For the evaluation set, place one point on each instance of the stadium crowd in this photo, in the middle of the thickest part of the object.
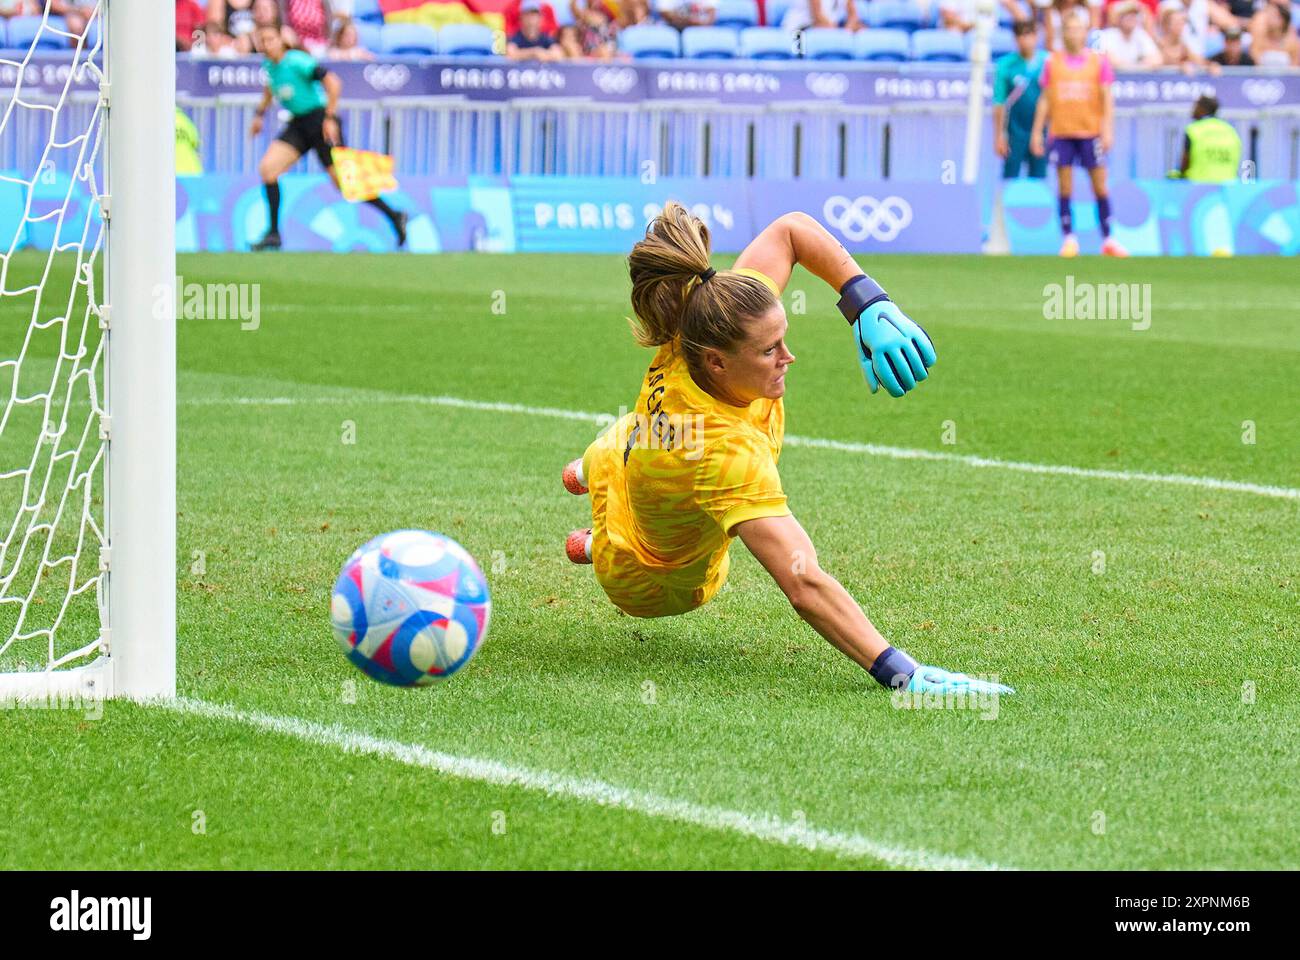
(1187, 35)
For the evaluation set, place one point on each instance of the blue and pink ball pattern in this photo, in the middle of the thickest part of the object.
(410, 608)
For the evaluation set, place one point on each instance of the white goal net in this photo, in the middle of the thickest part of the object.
(86, 355)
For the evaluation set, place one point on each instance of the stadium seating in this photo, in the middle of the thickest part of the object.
(765, 43)
(1001, 41)
(367, 11)
(737, 14)
(412, 38)
(370, 35)
(465, 40)
(650, 40)
(776, 11)
(23, 30)
(938, 46)
(827, 43)
(897, 15)
(882, 45)
(709, 43)
(563, 13)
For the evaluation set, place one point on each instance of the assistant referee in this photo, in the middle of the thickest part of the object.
(311, 94)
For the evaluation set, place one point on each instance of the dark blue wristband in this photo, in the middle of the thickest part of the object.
(857, 294)
(893, 668)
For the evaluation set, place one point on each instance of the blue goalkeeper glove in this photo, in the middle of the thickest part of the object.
(934, 680)
(894, 669)
(892, 348)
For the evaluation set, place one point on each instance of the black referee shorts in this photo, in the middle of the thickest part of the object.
(306, 133)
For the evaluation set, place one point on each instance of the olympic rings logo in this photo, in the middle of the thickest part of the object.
(827, 85)
(1263, 92)
(614, 80)
(386, 76)
(865, 217)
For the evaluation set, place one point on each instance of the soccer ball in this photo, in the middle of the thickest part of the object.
(410, 608)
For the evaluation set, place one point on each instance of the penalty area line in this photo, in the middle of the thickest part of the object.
(765, 827)
(869, 449)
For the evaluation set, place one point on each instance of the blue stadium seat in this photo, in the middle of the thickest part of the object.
(23, 30)
(4, 34)
(367, 11)
(1001, 42)
(1214, 44)
(650, 40)
(416, 38)
(563, 13)
(370, 36)
(939, 46)
(882, 45)
(776, 11)
(896, 15)
(465, 40)
(827, 43)
(736, 14)
(765, 43)
(709, 43)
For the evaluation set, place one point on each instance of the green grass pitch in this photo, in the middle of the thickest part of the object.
(1149, 627)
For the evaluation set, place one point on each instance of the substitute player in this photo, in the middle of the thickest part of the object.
(1078, 107)
(311, 93)
(694, 465)
(1015, 101)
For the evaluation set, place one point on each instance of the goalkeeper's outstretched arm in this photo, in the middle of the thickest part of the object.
(786, 552)
(892, 349)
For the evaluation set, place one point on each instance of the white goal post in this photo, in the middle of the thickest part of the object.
(104, 394)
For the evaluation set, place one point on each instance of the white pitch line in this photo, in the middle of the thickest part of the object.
(871, 449)
(764, 827)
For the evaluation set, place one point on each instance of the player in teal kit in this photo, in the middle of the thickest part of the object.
(311, 94)
(1015, 97)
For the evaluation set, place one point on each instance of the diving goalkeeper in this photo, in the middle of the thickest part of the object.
(694, 465)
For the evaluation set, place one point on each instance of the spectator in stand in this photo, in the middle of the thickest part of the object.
(593, 33)
(1052, 18)
(1272, 41)
(1233, 53)
(633, 12)
(346, 44)
(550, 26)
(310, 20)
(530, 43)
(76, 14)
(1172, 38)
(1240, 11)
(266, 14)
(1128, 45)
(688, 13)
(822, 13)
(189, 23)
(229, 23)
(18, 8)
(959, 15)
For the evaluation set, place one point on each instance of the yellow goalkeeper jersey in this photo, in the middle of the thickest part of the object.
(670, 481)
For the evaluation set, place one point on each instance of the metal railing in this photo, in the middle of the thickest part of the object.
(455, 137)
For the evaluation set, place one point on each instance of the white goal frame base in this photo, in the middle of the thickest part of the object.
(90, 682)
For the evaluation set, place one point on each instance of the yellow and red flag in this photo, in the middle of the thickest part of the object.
(439, 13)
(363, 175)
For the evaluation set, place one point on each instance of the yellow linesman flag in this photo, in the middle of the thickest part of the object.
(363, 174)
